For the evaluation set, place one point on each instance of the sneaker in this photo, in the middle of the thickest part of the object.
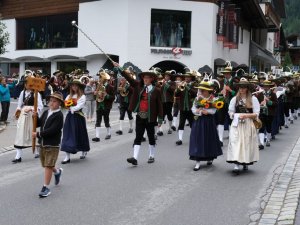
(57, 176)
(130, 130)
(133, 161)
(151, 159)
(45, 192)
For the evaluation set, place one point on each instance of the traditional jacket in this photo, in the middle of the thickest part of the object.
(155, 108)
(51, 126)
(186, 97)
(167, 91)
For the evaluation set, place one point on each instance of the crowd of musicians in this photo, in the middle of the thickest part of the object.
(253, 107)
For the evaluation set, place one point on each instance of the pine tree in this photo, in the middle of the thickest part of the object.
(4, 38)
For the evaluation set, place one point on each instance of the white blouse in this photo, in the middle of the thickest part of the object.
(194, 108)
(80, 103)
(40, 105)
(255, 106)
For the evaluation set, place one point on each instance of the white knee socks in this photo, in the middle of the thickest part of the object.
(261, 138)
(170, 125)
(67, 157)
(174, 121)
(136, 150)
(130, 124)
(151, 150)
(180, 134)
(108, 131)
(97, 132)
(19, 153)
(121, 125)
(221, 132)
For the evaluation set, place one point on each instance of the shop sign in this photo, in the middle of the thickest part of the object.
(175, 52)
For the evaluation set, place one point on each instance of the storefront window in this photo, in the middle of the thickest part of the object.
(47, 32)
(170, 28)
(9, 69)
(68, 67)
(45, 67)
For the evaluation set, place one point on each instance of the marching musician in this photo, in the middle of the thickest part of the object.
(146, 102)
(268, 104)
(25, 121)
(125, 93)
(288, 101)
(105, 97)
(167, 91)
(178, 79)
(186, 93)
(228, 91)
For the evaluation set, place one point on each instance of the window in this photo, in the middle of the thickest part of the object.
(45, 67)
(170, 28)
(68, 67)
(47, 32)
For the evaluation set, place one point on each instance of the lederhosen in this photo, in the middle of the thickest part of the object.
(167, 99)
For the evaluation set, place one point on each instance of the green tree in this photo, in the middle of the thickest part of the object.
(4, 38)
(287, 62)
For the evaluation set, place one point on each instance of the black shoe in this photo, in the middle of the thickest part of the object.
(292, 121)
(83, 155)
(133, 161)
(245, 167)
(119, 132)
(273, 137)
(17, 160)
(57, 176)
(45, 192)
(196, 168)
(144, 139)
(268, 144)
(221, 143)
(96, 139)
(286, 126)
(179, 142)
(151, 160)
(169, 131)
(261, 147)
(209, 163)
(66, 162)
(107, 137)
(160, 133)
(36, 156)
(130, 130)
(173, 128)
(236, 171)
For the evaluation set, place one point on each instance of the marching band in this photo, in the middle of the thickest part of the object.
(155, 97)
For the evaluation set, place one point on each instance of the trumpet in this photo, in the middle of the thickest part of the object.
(181, 86)
(161, 82)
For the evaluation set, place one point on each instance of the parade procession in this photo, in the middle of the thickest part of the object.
(152, 117)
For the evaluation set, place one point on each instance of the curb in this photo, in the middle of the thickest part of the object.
(282, 205)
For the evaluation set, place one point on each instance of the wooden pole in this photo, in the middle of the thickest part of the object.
(34, 119)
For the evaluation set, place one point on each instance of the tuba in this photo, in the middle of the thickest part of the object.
(100, 92)
(123, 90)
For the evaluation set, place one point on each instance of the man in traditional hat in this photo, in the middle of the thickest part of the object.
(186, 93)
(146, 102)
(105, 97)
(267, 112)
(228, 91)
(167, 90)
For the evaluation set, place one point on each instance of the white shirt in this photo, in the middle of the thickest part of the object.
(148, 88)
(50, 112)
(80, 103)
(232, 104)
(40, 105)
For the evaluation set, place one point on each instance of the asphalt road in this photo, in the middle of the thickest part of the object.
(104, 189)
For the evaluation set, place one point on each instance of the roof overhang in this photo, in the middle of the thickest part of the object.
(257, 52)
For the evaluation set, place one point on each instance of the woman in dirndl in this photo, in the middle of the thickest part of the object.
(243, 141)
(25, 121)
(204, 139)
(75, 136)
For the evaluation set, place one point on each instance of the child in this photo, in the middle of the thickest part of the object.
(51, 123)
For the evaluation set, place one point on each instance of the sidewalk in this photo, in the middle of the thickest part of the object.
(2, 127)
(279, 206)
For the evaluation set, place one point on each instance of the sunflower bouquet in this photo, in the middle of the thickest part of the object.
(217, 103)
(70, 102)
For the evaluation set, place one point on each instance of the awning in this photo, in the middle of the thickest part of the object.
(257, 52)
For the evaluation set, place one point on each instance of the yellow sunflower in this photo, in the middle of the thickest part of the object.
(203, 101)
(219, 104)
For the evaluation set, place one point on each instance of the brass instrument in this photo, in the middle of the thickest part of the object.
(123, 90)
(100, 91)
(161, 82)
(181, 86)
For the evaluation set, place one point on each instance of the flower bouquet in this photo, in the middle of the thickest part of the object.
(217, 103)
(70, 102)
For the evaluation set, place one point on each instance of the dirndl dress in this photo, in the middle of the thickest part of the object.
(75, 136)
(204, 139)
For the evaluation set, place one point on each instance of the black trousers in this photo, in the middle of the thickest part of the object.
(123, 109)
(140, 126)
(286, 107)
(175, 109)
(105, 114)
(185, 115)
(167, 109)
(5, 111)
(267, 121)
